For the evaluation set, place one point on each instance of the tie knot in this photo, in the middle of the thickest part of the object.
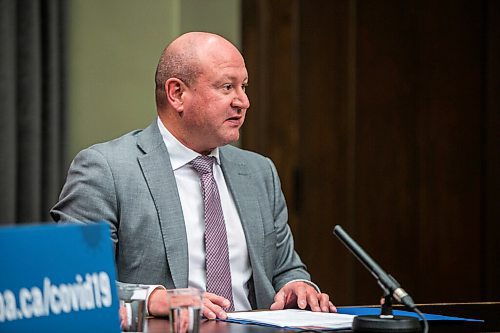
(203, 164)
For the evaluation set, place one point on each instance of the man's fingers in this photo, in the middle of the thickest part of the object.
(213, 311)
(216, 299)
(276, 306)
(279, 301)
(213, 306)
(312, 300)
(324, 302)
(208, 313)
(301, 294)
(332, 307)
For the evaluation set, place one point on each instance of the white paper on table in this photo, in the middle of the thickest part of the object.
(294, 318)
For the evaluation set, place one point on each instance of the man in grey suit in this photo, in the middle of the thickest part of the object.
(144, 186)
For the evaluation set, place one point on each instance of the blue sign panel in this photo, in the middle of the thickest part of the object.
(57, 278)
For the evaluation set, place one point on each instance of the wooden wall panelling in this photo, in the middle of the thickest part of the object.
(386, 167)
(382, 116)
(324, 111)
(491, 159)
(449, 131)
(270, 48)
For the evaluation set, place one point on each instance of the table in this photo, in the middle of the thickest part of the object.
(489, 312)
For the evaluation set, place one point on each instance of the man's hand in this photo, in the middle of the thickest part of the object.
(157, 303)
(213, 305)
(301, 294)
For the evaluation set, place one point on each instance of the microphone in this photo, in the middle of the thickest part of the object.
(385, 322)
(386, 281)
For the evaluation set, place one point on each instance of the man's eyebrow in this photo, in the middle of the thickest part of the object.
(233, 78)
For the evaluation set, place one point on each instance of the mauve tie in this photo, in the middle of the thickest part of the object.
(216, 248)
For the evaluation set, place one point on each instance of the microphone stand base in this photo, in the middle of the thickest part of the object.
(372, 323)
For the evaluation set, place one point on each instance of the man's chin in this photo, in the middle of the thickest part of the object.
(232, 138)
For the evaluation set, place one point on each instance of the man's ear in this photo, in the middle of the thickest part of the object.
(175, 91)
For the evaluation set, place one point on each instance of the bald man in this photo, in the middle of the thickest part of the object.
(147, 187)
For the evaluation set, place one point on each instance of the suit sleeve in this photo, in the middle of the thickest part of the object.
(89, 194)
(288, 265)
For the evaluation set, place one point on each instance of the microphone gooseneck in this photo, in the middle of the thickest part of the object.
(391, 288)
(387, 281)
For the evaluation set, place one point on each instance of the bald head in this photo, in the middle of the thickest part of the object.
(181, 59)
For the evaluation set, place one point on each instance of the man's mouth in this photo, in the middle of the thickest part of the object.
(235, 119)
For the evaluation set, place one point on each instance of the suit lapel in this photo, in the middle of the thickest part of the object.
(242, 187)
(157, 170)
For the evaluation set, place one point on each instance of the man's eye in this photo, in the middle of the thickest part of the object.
(244, 87)
(227, 87)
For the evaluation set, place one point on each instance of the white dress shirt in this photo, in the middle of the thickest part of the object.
(190, 193)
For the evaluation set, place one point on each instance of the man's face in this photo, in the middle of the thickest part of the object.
(216, 104)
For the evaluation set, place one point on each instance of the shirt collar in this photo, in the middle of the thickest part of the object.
(180, 155)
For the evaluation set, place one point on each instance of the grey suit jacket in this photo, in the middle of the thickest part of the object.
(129, 183)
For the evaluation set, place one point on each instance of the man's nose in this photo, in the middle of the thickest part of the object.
(241, 100)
